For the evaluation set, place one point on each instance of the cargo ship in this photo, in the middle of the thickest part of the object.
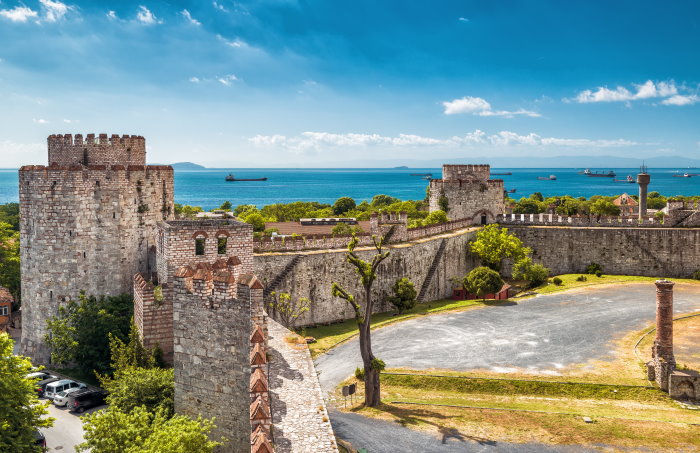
(230, 177)
(599, 174)
(547, 178)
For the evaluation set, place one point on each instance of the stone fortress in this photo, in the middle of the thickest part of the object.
(98, 219)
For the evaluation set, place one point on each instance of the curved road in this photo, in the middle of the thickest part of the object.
(543, 334)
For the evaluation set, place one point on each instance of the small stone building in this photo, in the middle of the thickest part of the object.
(467, 192)
(628, 205)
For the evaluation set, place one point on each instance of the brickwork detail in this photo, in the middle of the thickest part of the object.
(154, 319)
(469, 192)
(85, 228)
(101, 150)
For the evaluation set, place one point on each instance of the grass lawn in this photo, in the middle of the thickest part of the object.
(569, 282)
(516, 410)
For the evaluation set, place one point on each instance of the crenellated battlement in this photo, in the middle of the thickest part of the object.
(66, 149)
(457, 172)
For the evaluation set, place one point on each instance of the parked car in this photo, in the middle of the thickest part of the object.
(40, 440)
(41, 386)
(84, 399)
(64, 384)
(40, 375)
(61, 398)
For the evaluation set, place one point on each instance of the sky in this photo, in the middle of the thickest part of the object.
(284, 83)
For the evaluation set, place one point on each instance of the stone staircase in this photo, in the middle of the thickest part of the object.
(272, 286)
(431, 271)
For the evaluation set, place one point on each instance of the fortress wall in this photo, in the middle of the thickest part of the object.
(313, 275)
(69, 150)
(655, 252)
(84, 228)
(468, 198)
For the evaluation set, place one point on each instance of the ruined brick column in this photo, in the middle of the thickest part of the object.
(662, 351)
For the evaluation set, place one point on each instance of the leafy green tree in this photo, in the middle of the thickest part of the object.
(187, 211)
(367, 272)
(482, 281)
(343, 205)
(255, 219)
(534, 274)
(435, 217)
(141, 431)
(226, 206)
(9, 213)
(132, 387)
(343, 229)
(9, 260)
(443, 202)
(243, 209)
(494, 244)
(21, 413)
(537, 196)
(286, 309)
(404, 297)
(80, 332)
(603, 207)
(381, 200)
(528, 206)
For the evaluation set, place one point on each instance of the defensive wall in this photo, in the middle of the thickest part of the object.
(84, 228)
(101, 150)
(430, 263)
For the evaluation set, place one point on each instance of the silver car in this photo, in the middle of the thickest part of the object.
(61, 398)
(57, 387)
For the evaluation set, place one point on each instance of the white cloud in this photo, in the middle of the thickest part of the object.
(194, 79)
(67, 121)
(186, 14)
(112, 15)
(219, 6)
(235, 43)
(145, 16)
(646, 90)
(479, 106)
(318, 141)
(40, 121)
(463, 19)
(18, 13)
(227, 79)
(54, 10)
(679, 99)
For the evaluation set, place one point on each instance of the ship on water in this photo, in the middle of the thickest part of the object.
(599, 174)
(629, 179)
(231, 177)
(547, 178)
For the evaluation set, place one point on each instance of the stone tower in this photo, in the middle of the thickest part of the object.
(88, 222)
(468, 192)
(643, 179)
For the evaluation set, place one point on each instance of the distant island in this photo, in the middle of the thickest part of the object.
(186, 166)
(402, 167)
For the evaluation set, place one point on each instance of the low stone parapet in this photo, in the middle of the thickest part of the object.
(593, 221)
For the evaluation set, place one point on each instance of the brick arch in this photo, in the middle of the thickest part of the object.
(221, 233)
(198, 234)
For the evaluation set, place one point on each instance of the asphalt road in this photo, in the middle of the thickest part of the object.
(67, 430)
(544, 335)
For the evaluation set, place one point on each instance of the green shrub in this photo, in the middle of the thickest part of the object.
(581, 278)
(404, 297)
(360, 374)
(598, 274)
(593, 268)
(534, 274)
(696, 275)
(482, 281)
(557, 281)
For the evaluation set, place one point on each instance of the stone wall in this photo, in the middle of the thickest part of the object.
(153, 318)
(124, 150)
(85, 228)
(655, 252)
(313, 274)
(470, 193)
(212, 354)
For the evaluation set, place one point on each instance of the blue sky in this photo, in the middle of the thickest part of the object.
(314, 83)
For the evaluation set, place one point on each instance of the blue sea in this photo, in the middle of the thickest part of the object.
(207, 188)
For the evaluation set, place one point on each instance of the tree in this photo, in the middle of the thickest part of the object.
(528, 206)
(286, 309)
(482, 281)
(186, 211)
(9, 213)
(367, 272)
(255, 219)
(534, 274)
(141, 431)
(381, 200)
(9, 260)
(537, 196)
(404, 297)
(21, 413)
(603, 207)
(443, 202)
(226, 206)
(343, 205)
(494, 244)
(343, 229)
(80, 332)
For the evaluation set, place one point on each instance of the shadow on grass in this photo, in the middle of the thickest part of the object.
(414, 417)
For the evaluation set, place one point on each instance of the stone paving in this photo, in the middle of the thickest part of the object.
(300, 422)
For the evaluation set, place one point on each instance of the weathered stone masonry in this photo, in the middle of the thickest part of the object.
(85, 227)
(469, 192)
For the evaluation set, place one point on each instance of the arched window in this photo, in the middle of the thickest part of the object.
(199, 245)
(221, 243)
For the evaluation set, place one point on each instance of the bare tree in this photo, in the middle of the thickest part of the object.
(367, 272)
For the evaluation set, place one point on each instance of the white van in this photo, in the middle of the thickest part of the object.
(64, 384)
